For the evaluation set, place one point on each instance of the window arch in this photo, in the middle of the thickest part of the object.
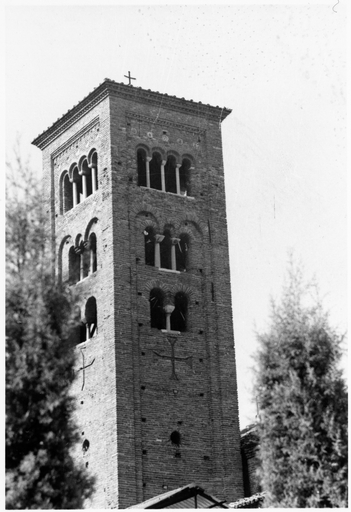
(184, 177)
(77, 185)
(66, 192)
(166, 250)
(155, 171)
(141, 163)
(91, 318)
(149, 243)
(180, 312)
(157, 313)
(73, 266)
(170, 174)
(85, 171)
(93, 157)
(182, 251)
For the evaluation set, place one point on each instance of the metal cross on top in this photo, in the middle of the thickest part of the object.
(173, 358)
(129, 78)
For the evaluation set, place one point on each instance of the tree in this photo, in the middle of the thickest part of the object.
(302, 404)
(40, 431)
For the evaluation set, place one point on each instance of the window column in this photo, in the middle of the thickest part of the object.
(168, 310)
(148, 159)
(163, 181)
(84, 183)
(177, 178)
(158, 240)
(93, 177)
(75, 193)
(174, 241)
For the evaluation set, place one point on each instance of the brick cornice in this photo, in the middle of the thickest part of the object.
(137, 94)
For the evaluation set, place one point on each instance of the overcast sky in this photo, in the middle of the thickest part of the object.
(282, 71)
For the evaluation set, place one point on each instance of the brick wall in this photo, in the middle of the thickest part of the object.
(129, 399)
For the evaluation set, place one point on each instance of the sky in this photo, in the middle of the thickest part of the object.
(280, 67)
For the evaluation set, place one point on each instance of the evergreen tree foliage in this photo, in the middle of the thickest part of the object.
(40, 358)
(302, 404)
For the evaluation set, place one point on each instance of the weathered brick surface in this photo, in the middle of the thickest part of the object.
(131, 401)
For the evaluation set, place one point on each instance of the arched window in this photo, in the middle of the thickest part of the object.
(149, 241)
(155, 171)
(170, 174)
(141, 162)
(184, 177)
(92, 254)
(94, 171)
(67, 194)
(84, 260)
(182, 250)
(166, 250)
(77, 330)
(91, 318)
(77, 186)
(73, 266)
(179, 315)
(87, 186)
(157, 314)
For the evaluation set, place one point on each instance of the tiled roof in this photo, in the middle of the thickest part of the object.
(190, 496)
(246, 502)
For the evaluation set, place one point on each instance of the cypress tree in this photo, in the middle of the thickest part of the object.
(40, 431)
(302, 400)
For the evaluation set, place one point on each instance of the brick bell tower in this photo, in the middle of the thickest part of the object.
(135, 199)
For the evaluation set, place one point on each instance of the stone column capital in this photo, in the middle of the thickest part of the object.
(159, 238)
(175, 241)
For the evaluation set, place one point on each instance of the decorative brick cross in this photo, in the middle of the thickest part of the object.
(173, 358)
(84, 368)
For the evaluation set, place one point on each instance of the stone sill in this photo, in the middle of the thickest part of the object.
(169, 270)
(165, 192)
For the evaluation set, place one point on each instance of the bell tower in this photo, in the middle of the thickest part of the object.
(135, 199)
